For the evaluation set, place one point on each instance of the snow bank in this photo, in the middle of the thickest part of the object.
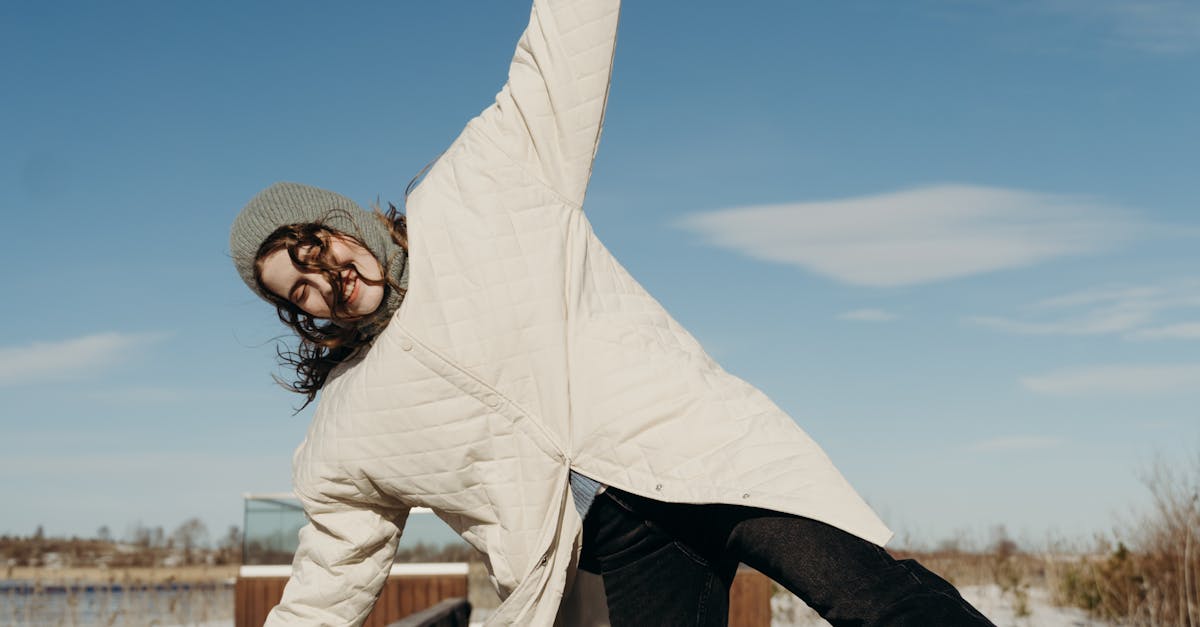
(789, 611)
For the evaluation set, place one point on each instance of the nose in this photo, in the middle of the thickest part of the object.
(318, 281)
(327, 289)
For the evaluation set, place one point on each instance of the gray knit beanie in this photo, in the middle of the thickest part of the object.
(293, 203)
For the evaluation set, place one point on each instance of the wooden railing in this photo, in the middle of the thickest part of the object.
(750, 599)
(410, 591)
(407, 591)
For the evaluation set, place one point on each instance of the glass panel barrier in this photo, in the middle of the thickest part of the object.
(273, 522)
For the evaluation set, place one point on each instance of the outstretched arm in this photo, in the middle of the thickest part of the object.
(549, 114)
(344, 558)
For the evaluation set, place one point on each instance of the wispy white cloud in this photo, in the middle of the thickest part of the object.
(1093, 323)
(1134, 312)
(41, 361)
(1158, 26)
(918, 235)
(1016, 443)
(1116, 380)
(868, 315)
(1180, 331)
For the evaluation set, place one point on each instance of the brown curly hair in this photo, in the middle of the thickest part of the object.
(324, 343)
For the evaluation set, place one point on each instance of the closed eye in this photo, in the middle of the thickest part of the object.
(298, 295)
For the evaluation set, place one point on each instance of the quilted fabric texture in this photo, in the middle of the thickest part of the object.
(522, 350)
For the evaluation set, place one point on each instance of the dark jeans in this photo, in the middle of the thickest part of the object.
(672, 564)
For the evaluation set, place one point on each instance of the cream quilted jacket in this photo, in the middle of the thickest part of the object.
(522, 350)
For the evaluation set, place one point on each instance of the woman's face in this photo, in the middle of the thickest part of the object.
(310, 290)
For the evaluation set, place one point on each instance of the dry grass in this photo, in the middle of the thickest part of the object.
(1146, 575)
(1151, 577)
(82, 575)
(1016, 572)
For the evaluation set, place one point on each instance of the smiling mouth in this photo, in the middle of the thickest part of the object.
(353, 288)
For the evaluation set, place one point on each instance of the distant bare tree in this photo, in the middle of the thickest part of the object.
(149, 548)
(39, 539)
(189, 536)
(230, 548)
(141, 537)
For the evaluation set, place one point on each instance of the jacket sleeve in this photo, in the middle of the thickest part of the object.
(344, 558)
(549, 114)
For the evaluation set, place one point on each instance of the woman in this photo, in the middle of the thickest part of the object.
(488, 358)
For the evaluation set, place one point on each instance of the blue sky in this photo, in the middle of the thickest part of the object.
(956, 239)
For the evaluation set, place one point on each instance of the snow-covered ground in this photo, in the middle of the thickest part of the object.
(791, 612)
(1000, 608)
